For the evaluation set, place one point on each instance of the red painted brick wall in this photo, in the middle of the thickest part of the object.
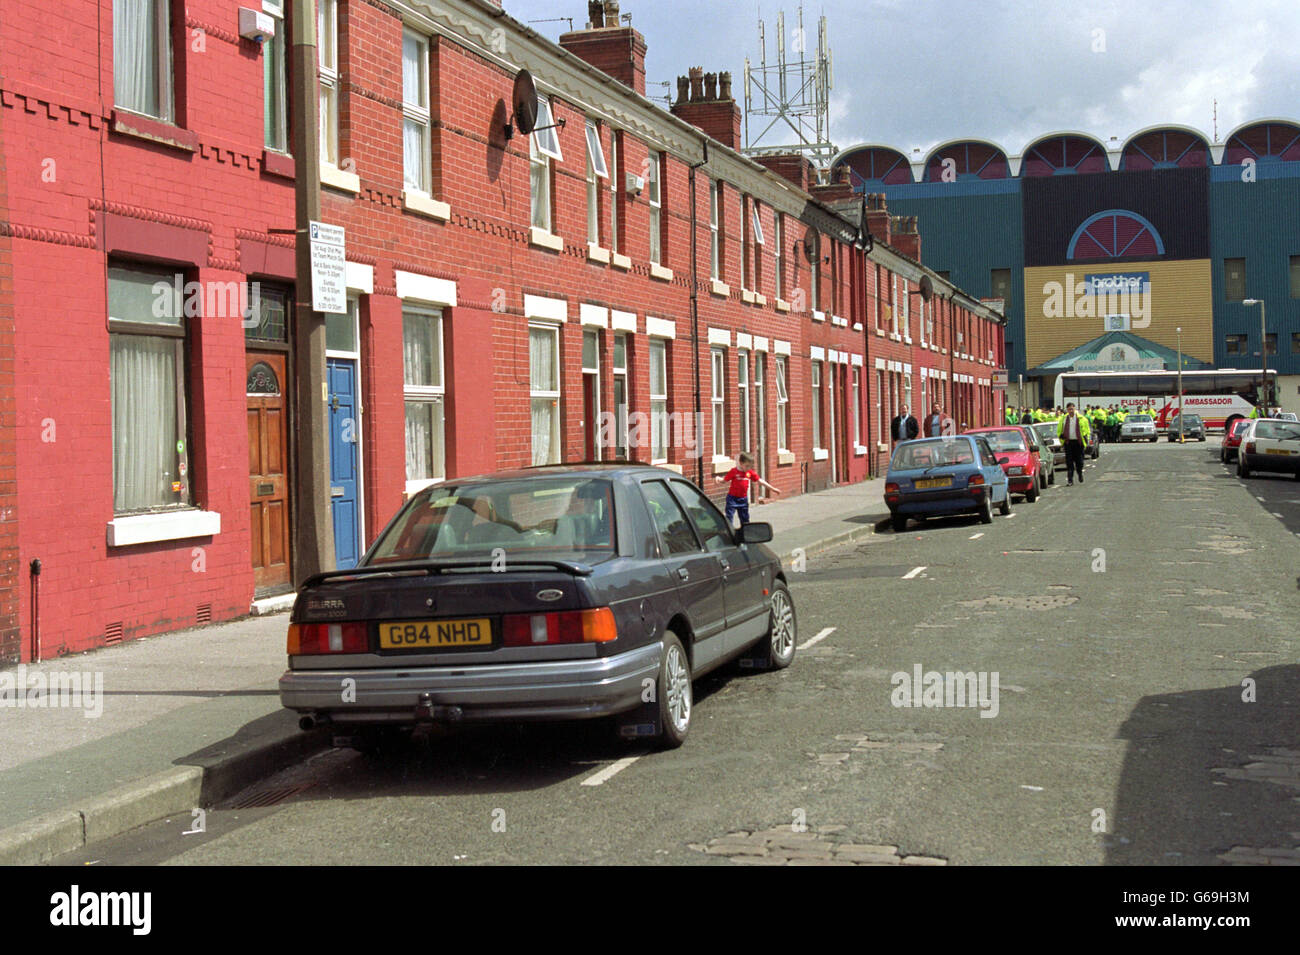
(56, 104)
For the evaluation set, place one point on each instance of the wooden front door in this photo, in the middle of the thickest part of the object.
(268, 470)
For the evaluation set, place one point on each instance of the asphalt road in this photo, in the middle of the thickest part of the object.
(1141, 629)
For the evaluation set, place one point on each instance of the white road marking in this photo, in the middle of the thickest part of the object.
(595, 779)
(1276, 514)
(976, 537)
(1259, 498)
(1012, 514)
(821, 635)
(913, 572)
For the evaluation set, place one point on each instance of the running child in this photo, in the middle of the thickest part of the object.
(738, 493)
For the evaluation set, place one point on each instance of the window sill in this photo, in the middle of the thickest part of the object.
(154, 130)
(278, 164)
(782, 305)
(784, 457)
(906, 340)
(542, 239)
(881, 447)
(747, 296)
(836, 320)
(820, 454)
(880, 332)
(596, 253)
(334, 177)
(859, 450)
(760, 299)
(818, 316)
(675, 468)
(163, 526)
(661, 273)
(425, 205)
(415, 487)
(722, 465)
(621, 262)
(857, 326)
(719, 288)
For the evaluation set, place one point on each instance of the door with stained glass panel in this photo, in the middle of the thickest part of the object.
(266, 343)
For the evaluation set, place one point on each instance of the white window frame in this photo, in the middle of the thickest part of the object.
(176, 334)
(597, 169)
(857, 407)
(746, 247)
(164, 92)
(620, 375)
(715, 257)
(778, 237)
(742, 390)
(893, 300)
(907, 312)
(614, 231)
(815, 274)
(654, 198)
(275, 88)
(539, 184)
(417, 113)
(782, 371)
(546, 394)
(545, 135)
(327, 59)
(880, 405)
(658, 399)
(435, 394)
(921, 322)
(718, 401)
(816, 416)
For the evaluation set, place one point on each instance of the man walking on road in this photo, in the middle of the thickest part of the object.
(1073, 431)
(903, 427)
(934, 422)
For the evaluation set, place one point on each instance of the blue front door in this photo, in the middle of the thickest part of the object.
(345, 437)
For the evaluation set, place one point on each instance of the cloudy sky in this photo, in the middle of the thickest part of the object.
(915, 73)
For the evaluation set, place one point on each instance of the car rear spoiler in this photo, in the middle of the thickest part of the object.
(431, 567)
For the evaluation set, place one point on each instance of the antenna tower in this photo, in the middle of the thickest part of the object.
(789, 101)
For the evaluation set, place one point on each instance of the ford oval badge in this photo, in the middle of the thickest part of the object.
(549, 595)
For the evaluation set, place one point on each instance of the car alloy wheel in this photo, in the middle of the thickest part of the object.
(1005, 507)
(675, 699)
(778, 650)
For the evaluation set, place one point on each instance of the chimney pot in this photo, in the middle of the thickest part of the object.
(595, 14)
(710, 86)
(697, 82)
(724, 83)
(611, 13)
(683, 89)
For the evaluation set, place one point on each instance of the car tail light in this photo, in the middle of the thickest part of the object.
(1250, 447)
(891, 488)
(310, 638)
(976, 480)
(570, 626)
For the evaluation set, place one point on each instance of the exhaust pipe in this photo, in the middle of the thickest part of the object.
(312, 721)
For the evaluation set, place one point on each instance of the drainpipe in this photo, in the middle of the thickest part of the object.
(695, 322)
(34, 569)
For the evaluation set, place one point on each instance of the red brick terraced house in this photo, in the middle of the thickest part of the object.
(624, 283)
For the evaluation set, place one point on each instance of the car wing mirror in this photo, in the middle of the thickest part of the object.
(1004, 460)
(754, 533)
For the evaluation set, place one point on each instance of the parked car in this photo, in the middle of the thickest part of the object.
(1094, 442)
(1232, 433)
(1138, 427)
(1046, 460)
(1192, 427)
(1286, 416)
(1046, 431)
(547, 593)
(954, 474)
(1011, 446)
(1269, 444)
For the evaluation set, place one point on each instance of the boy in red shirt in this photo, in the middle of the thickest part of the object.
(738, 493)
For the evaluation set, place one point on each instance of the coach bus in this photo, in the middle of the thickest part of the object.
(1217, 396)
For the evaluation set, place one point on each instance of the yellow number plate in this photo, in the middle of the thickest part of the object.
(1276, 451)
(934, 482)
(435, 634)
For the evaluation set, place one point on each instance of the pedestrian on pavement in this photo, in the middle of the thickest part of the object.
(936, 422)
(1073, 432)
(904, 427)
(738, 493)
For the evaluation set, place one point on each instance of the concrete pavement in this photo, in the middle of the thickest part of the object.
(175, 722)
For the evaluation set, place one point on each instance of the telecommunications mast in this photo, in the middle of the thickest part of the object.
(788, 101)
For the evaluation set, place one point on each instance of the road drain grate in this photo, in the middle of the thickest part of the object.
(267, 797)
(790, 845)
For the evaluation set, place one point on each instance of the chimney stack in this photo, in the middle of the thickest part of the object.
(609, 47)
(878, 218)
(702, 104)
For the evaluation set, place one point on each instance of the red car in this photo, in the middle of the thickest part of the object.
(1011, 446)
(1232, 439)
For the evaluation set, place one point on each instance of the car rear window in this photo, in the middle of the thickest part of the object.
(936, 453)
(1277, 430)
(555, 517)
(1004, 440)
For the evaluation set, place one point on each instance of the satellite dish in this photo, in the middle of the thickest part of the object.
(927, 288)
(524, 100)
(810, 244)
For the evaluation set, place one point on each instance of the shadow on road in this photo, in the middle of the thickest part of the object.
(1172, 808)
